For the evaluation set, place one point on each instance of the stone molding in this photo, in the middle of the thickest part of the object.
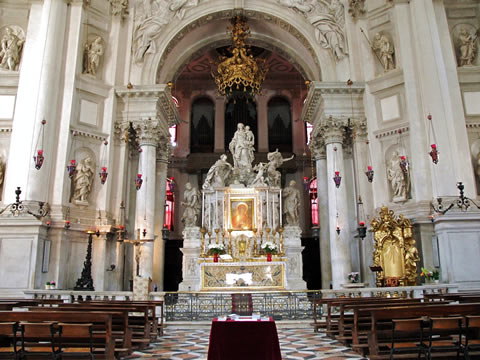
(393, 132)
(148, 132)
(318, 89)
(89, 135)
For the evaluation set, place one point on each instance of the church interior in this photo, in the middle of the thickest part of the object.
(278, 159)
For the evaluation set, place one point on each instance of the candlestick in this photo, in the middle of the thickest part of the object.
(210, 213)
(203, 206)
(261, 211)
(223, 211)
(268, 220)
(216, 208)
(202, 245)
(280, 210)
(273, 211)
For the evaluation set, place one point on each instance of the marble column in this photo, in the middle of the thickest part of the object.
(337, 204)
(37, 99)
(159, 244)
(317, 147)
(148, 133)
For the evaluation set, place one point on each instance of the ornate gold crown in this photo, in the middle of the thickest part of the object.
(241, 71)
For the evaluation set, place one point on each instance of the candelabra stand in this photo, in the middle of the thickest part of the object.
(267, 230)
(85, 282)
(463, 202)
(209, 237)
(261, 240)
(202, 243)
(216, 235)
(230, 242)
(255, 249)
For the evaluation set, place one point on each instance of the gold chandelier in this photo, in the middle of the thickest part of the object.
(240, 73)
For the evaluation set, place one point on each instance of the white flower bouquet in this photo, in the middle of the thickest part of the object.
(216, 249)
(269, 247)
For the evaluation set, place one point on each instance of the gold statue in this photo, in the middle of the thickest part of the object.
(395, 250)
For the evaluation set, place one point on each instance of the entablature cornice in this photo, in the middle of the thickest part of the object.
(335, 98)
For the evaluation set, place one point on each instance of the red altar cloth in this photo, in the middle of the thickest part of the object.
(232, 340)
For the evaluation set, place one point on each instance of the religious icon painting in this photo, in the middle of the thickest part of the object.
(241, 212)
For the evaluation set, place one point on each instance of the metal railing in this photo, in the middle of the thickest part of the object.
(281, 305)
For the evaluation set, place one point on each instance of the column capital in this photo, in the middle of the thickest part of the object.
(163, 149)
(360, 130)
(148, 132)
(333, 131)
(317, 146)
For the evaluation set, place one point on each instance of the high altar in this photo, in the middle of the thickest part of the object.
(241, 208)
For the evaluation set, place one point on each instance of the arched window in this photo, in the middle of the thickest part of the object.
(279, 125)
(240, 110)
(169, 203)
(314, 201)
(202, 126)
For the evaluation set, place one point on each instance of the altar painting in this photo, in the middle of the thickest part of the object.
(241, 214)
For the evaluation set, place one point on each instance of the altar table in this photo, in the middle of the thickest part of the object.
(232, 340)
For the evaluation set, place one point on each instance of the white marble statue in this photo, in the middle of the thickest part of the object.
(330, 28)
(83, 180)
(385, 51)
(93, 54)
(153, 15)
(291, 204)
(11, 49)
(328, 19)
(218, 174)
(242, 147)
(192, 203)
(260, 177)
(397, 178)
(467, 47)
(275, 160)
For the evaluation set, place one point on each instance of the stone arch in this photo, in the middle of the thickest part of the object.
(175, 50)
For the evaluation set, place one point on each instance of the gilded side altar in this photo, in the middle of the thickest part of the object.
(395, 252)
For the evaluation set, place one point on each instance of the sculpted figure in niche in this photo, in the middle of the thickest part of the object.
(467, 44)
(12, 47)
(191, 198)
(291, 204)
(92, 56)
(397, 178)
(83, 180)
(241, 147)
(385, 51)
(218, 174)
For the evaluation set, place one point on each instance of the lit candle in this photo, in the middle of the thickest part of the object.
(280, 214)
(261, 212)
(273, 211)
(210, 213)
(223, 210)
(369, 167)
(434, 146)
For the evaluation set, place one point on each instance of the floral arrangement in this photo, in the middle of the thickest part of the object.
(354, 277)
(216, 249)
(269, 247)
(430, 275)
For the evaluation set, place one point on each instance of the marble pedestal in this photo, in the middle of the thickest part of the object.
(293, 252)
(191, 253)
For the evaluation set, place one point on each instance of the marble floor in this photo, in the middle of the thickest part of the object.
(294, 344)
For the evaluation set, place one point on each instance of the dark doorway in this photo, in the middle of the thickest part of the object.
(172, 275)
(311, 263)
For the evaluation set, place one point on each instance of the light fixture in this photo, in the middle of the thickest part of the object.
(362, 229)
(165, 232)
(103, 173)
(241, 73)
(433, 144)
(39, 158)
(337, 179)
(138, 181)
(18, 208)
(463, 202)
(85, 282)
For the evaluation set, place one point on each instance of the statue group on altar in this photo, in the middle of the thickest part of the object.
(242, 147)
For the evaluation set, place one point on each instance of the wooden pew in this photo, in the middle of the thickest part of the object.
(141, 322)
(381, 319)
(121, 331)
(100, 320)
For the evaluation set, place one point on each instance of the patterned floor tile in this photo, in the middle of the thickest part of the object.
(295, 344)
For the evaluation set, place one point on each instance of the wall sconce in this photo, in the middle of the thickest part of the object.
(18, 208)
(463, 202)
